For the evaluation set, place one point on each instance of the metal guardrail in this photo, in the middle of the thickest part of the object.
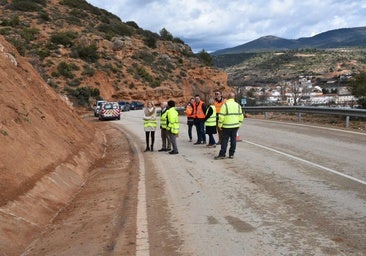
(347, 112)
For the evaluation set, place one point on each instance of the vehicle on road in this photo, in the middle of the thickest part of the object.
(124, 105)
(136, 105)
(97, 107)
(110, 110)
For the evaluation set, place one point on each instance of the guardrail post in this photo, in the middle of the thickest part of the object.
(299, 117)
(347, 121)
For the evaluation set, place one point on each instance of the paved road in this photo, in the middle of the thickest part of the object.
(291, 190)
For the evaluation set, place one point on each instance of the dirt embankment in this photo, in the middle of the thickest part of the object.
(46, 151)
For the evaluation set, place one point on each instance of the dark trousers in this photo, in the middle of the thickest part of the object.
(190, 131)
(165, 141)
(219, 131)
(200, 127)
(228, 134)
(147, 135)
(211, 139)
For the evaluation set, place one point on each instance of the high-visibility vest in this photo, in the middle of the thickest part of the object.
(173, 120)
(163, 119)
(231, 115)
(189, 111)
(211, 121)
(218, 105)
(151, 122)
(198, 110)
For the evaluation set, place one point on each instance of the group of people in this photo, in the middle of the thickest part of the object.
(169, 126)
(220, 116)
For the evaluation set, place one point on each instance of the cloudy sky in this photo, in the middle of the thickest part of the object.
(218, 24)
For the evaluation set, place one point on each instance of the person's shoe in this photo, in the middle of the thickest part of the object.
(196, 143)
(219, 157)
(152, 148)
(190, 140)
(231, 157)
(162, 149)
(173, 152)
(167, 149)
(147, 149)
(218, 143)
(211, 145)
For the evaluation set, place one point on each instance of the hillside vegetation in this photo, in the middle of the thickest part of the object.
(273, 67)
(87, 53)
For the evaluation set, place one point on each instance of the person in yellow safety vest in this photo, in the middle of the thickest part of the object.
(165, 142)
(230, 119)
(173, 126)
(190, 117)
(219, 101)
(150, 125)
(210, 123)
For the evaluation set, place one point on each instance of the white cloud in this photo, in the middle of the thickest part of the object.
(219, 24)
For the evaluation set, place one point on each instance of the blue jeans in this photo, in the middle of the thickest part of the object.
(228, 133)
(200, 127)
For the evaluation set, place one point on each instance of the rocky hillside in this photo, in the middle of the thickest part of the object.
(87, 53)
(38, 131)
(270, 68)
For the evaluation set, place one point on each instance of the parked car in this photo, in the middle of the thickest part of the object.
(97, 107)
(110, 110)
(124, 105)
(135, 105)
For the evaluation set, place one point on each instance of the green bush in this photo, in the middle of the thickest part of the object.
(86, 53)
(82, 95)
(145, 56)
(43, 15)
(79, 4)
(166, 35)
(78, 13)
(88, 71)
(65, 38)
(150, 41)
(65, 70)
(12, 22)
(19, 44)
(73, 20)
(132, 24)
(75, 82)
(29, 34)
(115, 29)
(178, 40)
(27, 6)
(43, 53)
(5, 31)
(205, 58)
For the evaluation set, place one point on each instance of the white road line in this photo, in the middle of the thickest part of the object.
(312, 126)
(142, 234)
(307, 162)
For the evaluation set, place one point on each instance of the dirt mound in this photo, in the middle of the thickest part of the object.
(45, 150)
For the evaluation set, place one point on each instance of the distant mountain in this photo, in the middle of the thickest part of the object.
(344, 37)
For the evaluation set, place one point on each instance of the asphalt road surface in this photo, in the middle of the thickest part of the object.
(290, 190)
